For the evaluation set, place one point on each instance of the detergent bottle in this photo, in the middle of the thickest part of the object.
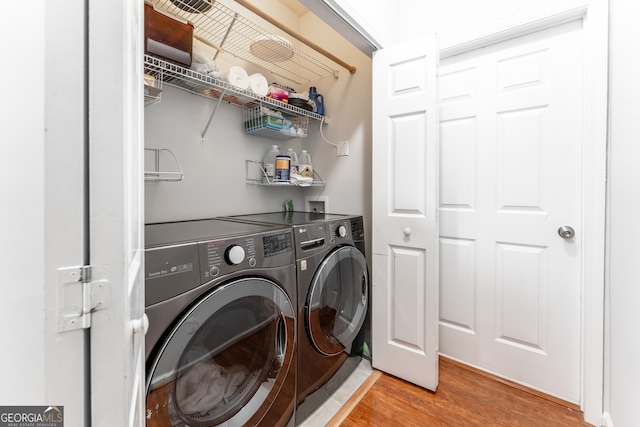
(317, 99)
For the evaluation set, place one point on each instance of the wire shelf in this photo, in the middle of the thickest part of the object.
(263, 121)
(230, 32)
(157, 174)
(256, 175)
(202, 84)
(152, 90)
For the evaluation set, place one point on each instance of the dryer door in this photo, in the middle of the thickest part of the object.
(229, 360)
(337, 301)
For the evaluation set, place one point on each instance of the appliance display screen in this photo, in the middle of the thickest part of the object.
(277, 244)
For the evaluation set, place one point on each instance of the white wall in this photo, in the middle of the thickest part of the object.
(22, 360)
(623, 293)
(214, 171)
(348, 103)
(450, 18)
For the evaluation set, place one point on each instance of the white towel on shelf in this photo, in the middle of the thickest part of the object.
(302, 181)
(205, 65)
(258, 84)
(238, 77)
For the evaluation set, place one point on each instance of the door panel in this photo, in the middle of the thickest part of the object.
(65, 236)
(511, 142)
(408, 300)
(405, 248)
(116, 211)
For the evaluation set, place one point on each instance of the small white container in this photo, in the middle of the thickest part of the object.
(305, 168)
(293, 166)
(269, 164)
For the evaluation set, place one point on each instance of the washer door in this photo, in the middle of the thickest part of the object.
(226, 359)
(337, 301)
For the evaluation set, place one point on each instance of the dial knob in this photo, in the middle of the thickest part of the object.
(341, 231)
(234, 255)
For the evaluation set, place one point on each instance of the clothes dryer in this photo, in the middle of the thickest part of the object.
(333, 299)
(221, 345)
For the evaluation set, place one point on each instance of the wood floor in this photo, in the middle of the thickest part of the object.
(464, 398)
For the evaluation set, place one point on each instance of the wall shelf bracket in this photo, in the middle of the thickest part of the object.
(157, 174)
(215, 107)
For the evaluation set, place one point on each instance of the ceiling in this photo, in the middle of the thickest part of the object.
(328, 11)
(297, 7)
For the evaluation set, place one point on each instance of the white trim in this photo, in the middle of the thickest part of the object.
(594, 14)
(606, 420)
(343, 18)
(520, 25)
(349, 15)
(596, 23)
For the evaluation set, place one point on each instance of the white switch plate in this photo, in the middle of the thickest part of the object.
(343, 148)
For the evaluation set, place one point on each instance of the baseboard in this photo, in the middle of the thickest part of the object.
(513, 384)
(606, 419)
(342, 414)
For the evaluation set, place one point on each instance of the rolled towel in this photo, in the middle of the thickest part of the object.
(238, 77)
(258, 84)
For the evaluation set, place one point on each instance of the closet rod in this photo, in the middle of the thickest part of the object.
(300, 37)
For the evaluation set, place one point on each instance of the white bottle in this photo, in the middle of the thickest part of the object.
(269, 164)
(293, 167)
(305, 167)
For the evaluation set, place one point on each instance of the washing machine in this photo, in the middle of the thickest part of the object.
(222, 309)
(333, 299)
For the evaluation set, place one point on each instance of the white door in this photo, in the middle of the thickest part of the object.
(116, 211)
(511, 134)
(405, 245)
(66, 238)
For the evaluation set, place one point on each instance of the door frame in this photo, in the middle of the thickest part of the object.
(594, 15)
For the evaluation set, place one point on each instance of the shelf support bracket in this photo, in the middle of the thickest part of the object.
(224, 39)
(215, 107)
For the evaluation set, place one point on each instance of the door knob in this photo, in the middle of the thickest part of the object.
(140, 325)
(407, 231)
(566, 232)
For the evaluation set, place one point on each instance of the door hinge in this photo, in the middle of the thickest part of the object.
(80, 293)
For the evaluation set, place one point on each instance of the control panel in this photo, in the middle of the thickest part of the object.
(225, 256)
(357, 229)
(340, 230)
(170, 272)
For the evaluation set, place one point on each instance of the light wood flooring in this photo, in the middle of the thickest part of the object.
(464, 398)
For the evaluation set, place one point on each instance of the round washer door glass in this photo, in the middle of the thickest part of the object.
(225, 361)
(337, 301)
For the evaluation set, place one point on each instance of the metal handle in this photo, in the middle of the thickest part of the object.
(566, 232)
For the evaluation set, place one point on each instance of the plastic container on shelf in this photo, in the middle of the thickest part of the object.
(283, 163)
(305, 167)
(293, 166)
(317, 100)
(269, 164)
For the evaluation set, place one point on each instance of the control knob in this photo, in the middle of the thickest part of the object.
(234, 255)
(341, 231)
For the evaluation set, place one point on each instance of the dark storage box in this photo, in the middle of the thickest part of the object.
(167, 37)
